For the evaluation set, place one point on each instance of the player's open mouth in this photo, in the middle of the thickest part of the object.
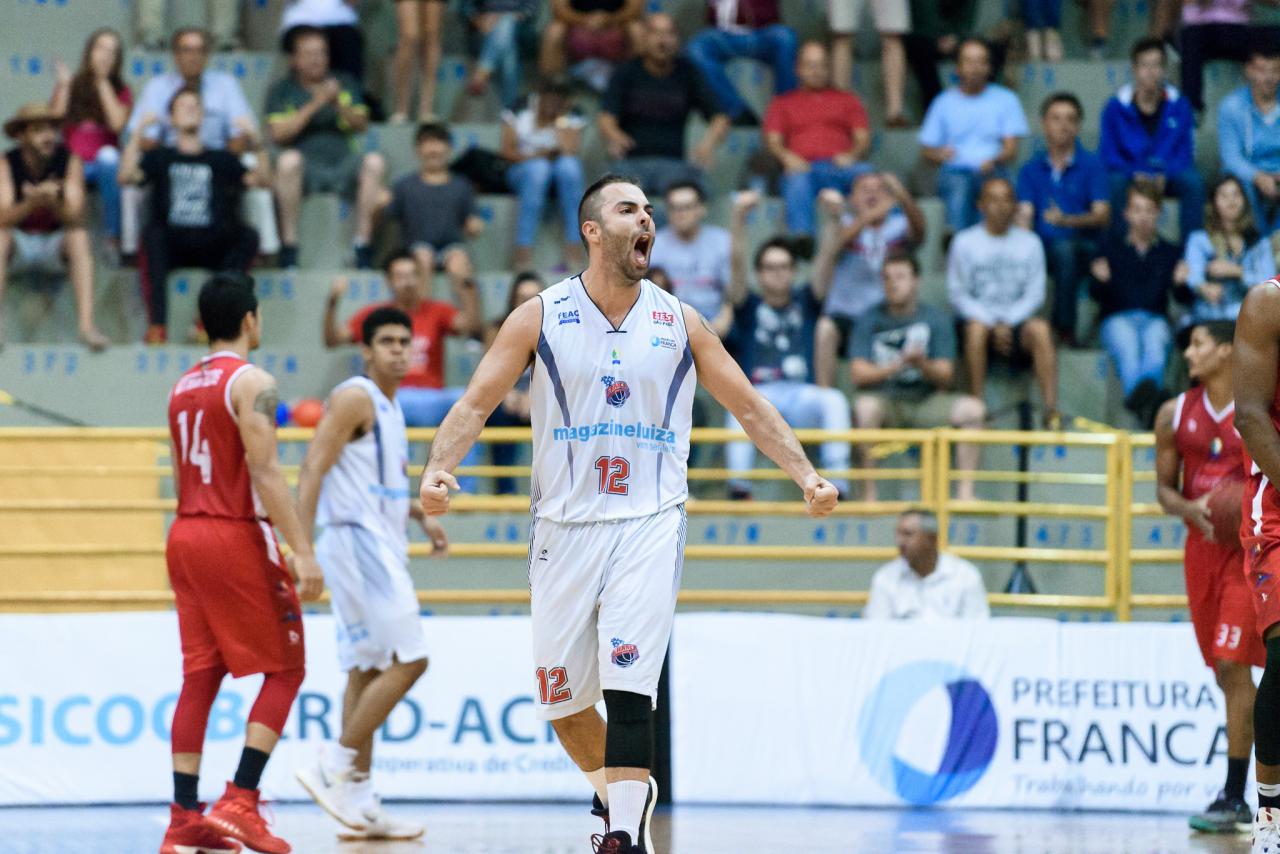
(640, 252)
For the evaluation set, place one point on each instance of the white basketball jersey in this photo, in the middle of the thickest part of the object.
(611, 408)
(369, 484)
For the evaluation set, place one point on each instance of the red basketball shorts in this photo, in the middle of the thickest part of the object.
(1222, 605)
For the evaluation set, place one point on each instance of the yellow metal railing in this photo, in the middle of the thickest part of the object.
(35, 492)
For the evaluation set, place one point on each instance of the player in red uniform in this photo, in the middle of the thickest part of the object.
(1255, 370)
(238, 611)
(1198, 448)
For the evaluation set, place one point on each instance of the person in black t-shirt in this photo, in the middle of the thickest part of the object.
(645, 109)
(195, 204)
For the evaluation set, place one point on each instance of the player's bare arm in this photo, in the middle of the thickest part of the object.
(348, 416)
(496, 375)
(1168, 476)
(1253, 372)
(432, 528)
(764, 425)
(254, 398)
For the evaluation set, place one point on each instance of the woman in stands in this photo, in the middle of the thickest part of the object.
(95, 104)
(1226, 256)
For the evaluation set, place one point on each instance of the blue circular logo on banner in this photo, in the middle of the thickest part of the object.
(971, 738)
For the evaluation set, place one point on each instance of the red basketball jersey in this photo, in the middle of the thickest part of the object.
(1260, 516)
(213, 478)
(1208, 443)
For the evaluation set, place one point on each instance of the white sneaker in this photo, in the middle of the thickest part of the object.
(379, 825)
(1266, 831)
(334, 791)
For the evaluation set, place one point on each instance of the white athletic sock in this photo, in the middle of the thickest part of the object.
(339, 760)
(626, 807)
(600, 783)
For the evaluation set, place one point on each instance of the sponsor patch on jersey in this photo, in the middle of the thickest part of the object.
(564, 298)
(1215, 447)
(665, 343)
(624, 654)
(647, 436)
(664, 318)
(569, 317)
(615, 359)
(616, 391)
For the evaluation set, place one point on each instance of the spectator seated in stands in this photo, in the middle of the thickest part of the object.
(1249, 136)
(693, 254)
(819, 134)
(644, 112)
(1147, 132)
(936, 31)
(902, 360)
(229, 123)
(1133, 279)
(195, 203)
(436, 210)
(42, 230)
(744, 29)
(1063, 196)
(94, 104)
(542, 138)
(340, 24)
(589, 38)
(971, 132)
(996, 281)
(316, 117)
(423, 394)
(892, 20)
(771, 336)
(923, 583)
(496, 24)
(1225, 258)
(513, 411)
(1211, 29)
(883, 219)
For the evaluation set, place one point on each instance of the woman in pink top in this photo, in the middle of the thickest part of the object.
(95, 104)
(1211, 29)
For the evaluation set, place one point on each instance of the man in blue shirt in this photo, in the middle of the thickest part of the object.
(1249, 136)
(971, 132)
(1062, 196)
(1147, 132)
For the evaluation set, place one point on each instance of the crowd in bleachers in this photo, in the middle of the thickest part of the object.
(189, 173)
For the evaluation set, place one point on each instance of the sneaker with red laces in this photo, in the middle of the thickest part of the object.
(236, 815)
(617, 842)
(190, 833)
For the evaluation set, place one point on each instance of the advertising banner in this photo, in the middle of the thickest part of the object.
(1001, 713)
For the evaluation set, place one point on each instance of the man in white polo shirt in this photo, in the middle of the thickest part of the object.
(922, 583)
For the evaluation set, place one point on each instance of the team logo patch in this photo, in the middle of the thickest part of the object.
(1215, 447)
(616, 391)
(624, 654)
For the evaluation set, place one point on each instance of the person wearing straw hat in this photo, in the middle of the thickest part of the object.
(42, 211)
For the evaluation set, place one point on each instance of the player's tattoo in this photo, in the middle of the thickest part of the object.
(267, 401)
(707, 326)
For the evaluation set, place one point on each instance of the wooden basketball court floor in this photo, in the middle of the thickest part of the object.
(564, 829)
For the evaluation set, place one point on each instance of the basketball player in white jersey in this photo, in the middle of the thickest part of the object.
(615, 361)
(355, 483)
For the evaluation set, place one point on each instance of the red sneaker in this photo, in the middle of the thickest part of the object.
(189, 833)
(236, 815)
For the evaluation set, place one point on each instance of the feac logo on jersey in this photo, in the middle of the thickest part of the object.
(664, 318)
(616, 391)
(569, 317)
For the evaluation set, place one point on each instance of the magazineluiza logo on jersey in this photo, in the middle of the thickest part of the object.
(616, 391)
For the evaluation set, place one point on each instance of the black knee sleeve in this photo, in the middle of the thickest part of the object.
(628, 740)
(1266, 709)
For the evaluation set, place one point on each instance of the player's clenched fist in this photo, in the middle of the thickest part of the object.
(435, 492)
(820, 496)
(307, 573)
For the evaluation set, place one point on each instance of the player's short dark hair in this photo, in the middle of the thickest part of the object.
(776, 242)
(899, 256)
(1221, 331)
(685, 185)
(433, 130)
(182, 93)
(387, 315)
(224, 301)
(303, 31)
(589, 207)
(1062, 98)
(1146, 45)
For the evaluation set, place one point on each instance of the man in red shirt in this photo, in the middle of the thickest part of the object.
(819, 134)
(238, 611)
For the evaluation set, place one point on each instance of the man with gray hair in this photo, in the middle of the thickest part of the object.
(923, 583)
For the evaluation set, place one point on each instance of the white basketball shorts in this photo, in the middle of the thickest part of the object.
(604, 598)
(375, 606)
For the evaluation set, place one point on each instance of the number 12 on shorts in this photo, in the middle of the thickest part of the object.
(553, 685)
(614, 472)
